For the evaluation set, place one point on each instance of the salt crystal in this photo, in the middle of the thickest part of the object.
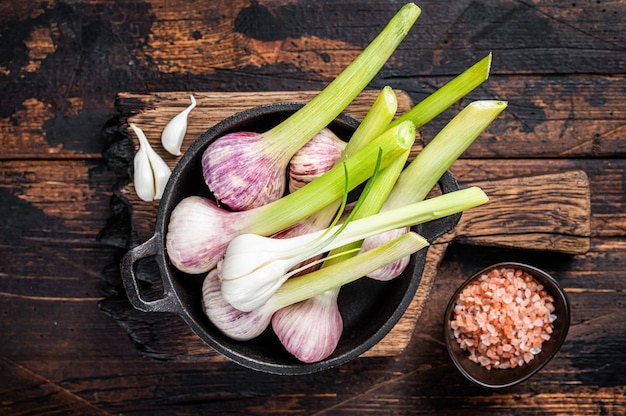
(484, 360)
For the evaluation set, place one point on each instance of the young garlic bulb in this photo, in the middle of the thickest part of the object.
(310, 330)
(315, 158)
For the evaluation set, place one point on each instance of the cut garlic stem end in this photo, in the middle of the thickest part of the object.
(174, 132)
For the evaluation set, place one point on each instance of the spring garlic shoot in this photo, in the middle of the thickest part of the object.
(421, 175)
(311, 329)
(174, 132)
(263, 157)
(244, 326)
(254, 266)
(448, 94)
(151, 173)
(199, 231)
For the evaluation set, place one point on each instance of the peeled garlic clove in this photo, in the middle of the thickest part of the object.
(151, 172)
(315, 158)
(143, 178)
(174, 132)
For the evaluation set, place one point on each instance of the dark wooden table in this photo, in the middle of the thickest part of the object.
(63, 224)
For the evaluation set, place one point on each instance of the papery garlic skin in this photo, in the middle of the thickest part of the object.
(310, 330)
(194, 241)
(241, 173)
(151, 173)
(238, 325)
(174, 132)
(315, 158)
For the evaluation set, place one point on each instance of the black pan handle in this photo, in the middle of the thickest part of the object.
(168, 302)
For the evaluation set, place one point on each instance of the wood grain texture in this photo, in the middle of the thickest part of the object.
(237, 46)
(62, 63)
(545, 212)
(32, 388)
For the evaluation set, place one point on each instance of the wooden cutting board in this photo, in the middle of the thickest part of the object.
(547, 212)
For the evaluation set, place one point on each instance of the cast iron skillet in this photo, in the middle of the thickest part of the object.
(369, 308)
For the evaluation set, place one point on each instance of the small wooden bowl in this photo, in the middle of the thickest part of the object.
(500, 378)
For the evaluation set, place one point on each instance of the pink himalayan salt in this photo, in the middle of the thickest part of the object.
(502, 318)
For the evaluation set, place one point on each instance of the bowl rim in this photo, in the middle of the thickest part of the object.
(474, 371)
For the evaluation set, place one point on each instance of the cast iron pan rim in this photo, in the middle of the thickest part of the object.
(434, 230)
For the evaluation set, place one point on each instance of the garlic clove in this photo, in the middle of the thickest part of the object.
(310, 330)
(162, 174)
(143, 177)
(315, 158)
(151, 172)
(174, 132)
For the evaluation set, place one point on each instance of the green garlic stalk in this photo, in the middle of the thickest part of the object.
(422, 174)
(243, 326)
(311, 329)
(262, 158)
(255, 266)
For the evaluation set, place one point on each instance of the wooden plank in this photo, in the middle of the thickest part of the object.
(71, 195)
(573, 38)
(607, 190)
(30, 393)
(224, 46)
(541, 111)
(556, 214)
(423, 374)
